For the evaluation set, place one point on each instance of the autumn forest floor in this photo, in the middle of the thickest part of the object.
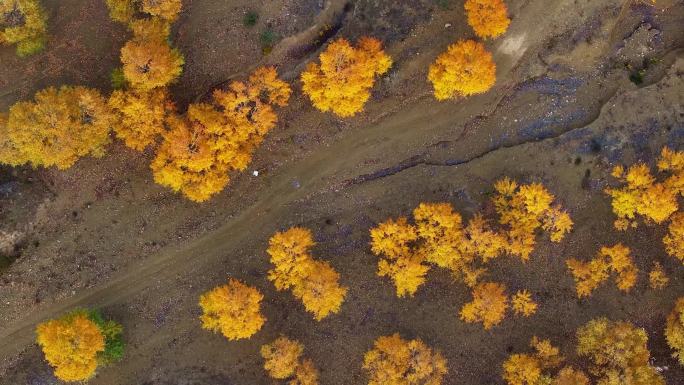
(563, 112)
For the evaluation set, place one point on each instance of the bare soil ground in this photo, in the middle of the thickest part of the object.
(563, 112)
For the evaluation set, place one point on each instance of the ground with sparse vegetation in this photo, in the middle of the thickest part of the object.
(581, 86)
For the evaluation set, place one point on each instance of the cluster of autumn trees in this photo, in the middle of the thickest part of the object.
(640, 195)
(313, 282)
(652, 198)
(439, 238)
(23, 23)
(76, 344)
(196, 151)
(617, 351)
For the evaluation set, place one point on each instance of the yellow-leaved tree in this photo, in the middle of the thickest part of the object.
(532, 368)
(24, 23)
(589, 275)
(200, 148)
(488, 18)
(342, 81)
(523, 303)
(525, 209)
(488, 306)
(140, 115)
(674, 330)
(642, 194)
(438, 237)
(148, 59)
(165, 9)
(125, 11)
(618, 352)
(395, 361)
(657, 278)
(78, 342)
(57, 128)
(283, 361)
(313, 282)
(536, 368)
(233, 309)
(674, 240)
(465, 69)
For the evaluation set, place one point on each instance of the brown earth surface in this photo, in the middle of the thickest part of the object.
(563, 112)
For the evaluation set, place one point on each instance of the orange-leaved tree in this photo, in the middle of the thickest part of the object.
(488, 18)
(674, 240)
(313, 282)
(537, 368)
(396, 361)
(525, 209)
(657, 278)
(24, 23)
(233, 309)
(140, 115)
(57, 128)
(148, 59)
(618, 352)
(78, 342)
(341, 83)
(283, 361)
(523, 303)
(438, 237)
(210, 140)
(674, 330)
(488, 306)
(589, 275)
(465, 69)
(165, 9)
(532, 368)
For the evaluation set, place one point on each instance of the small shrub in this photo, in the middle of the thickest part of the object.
(250, 19)
(268, 39)
(118, 79)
